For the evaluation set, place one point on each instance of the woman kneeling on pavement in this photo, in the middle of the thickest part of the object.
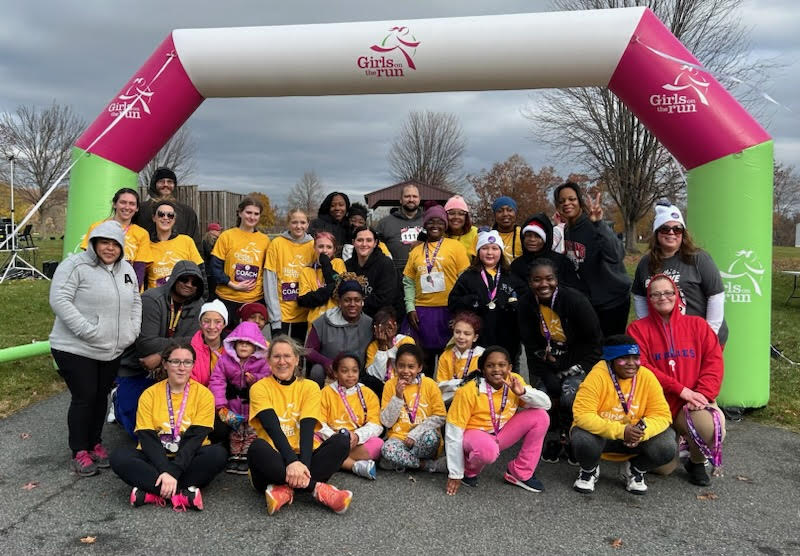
(288, 455)
(172, 462)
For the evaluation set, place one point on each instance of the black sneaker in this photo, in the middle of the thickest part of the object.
(470, 481)
(697, 473)
(232, 467)
(551, 451)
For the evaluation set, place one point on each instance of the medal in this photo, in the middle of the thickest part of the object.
(431, 262)
(491, 293)
(491, 305)
(172, 442)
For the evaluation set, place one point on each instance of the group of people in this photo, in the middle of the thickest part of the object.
(336, 345)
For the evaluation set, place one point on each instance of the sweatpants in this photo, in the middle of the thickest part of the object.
(482, 448)
(658, 450)
(395, 453)
(133, 467)
(268, 468)
(89, 382)
(614, 320)
(129, 389)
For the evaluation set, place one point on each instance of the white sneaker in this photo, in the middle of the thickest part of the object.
(112, 418)
(586, 480)
(634, 479)
(365, 468)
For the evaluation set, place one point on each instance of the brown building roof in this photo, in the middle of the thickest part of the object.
(390, 196)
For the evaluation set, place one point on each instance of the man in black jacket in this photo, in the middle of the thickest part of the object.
(162, 187)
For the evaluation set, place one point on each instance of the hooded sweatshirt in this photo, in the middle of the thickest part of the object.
(400, 232)
(382, 287)
(286, 257)
(185, 216)
(331, 334)
(228, 382)
(598, 257)
(98, 311)
(325, 222)
(683, 352)
(564, 268)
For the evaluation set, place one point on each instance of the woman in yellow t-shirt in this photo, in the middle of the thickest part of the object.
(167, 248)
(318, 280)
(124, 207)
(459, 224)
(237, 260)
(287, 255)
(288, 455)
(174, 457)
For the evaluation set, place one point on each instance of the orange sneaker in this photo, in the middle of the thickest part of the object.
(332, 497)
(277, 497)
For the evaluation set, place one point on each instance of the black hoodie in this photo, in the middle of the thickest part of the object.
(382, 286)
(564, 268)
(185, 216)
(325, 222)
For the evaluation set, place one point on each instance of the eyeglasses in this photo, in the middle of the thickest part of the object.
(189, 280)
(677, 230)
(167, 215)
(658, 295)
(185, 363)
(453, 212)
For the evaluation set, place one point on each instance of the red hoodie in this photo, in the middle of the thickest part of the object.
(683, 352)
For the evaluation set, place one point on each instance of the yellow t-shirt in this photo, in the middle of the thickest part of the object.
(292, 403)
(451, 260)
(137, 242)
(165, 254)
(243, 254)
(468, 240)
(152, 413)
(512, 245)
(287, 259)
(372, 348)
(470, 407)
(553, 322)
(311, 280)
(430, 405)
(452, 366)
(336, 416)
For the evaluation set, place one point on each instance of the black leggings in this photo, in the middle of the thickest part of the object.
(614, 320)
(296, 330)
(268, 468)
(654, 452)
(233, 311)
(133, 467)
(89, 381)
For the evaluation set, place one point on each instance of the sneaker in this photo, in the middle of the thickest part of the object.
(533, 484)
(84, 465)
(551, 451)
(436, 465)
(242, 467)
(387, 465)
(634, 479)
(277, 497)
(332, 497)
(195, 498)
(365, 468)
(236, 467)
(185, 499)
(470, 481)
(99, 456)
(112, 417)
(140, 498)
(586, 480)
(697, 473)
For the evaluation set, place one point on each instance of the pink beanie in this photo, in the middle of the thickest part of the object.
(456, 202)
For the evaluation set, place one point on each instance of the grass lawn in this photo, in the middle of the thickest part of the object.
(28, 318)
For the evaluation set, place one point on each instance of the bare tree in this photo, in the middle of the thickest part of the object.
(594, 128)
(429, 150)
(177, 154)
(41, 140)
(307, 194)
(786, 196)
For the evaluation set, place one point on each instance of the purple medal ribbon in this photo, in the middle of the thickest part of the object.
(464, 372)
(545, 328)
(429, 262)
(493, 293)
(715, 453)
(490, 395)
(343, 395)
(412, 413)
(174, 426)
(625, 404)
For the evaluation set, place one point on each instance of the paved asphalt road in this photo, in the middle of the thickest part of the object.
(753, 509)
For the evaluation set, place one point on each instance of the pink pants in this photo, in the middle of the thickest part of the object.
(482, 448)
(373, 447)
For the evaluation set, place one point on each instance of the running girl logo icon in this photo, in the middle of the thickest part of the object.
(400, 40)
(745, 268)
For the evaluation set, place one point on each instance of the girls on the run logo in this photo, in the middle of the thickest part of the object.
(395, 54)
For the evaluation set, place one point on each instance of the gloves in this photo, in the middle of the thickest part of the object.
(327, 269)
(230, 418)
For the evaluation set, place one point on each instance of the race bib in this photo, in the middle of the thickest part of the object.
(289, 291)
(409, 235)
(432, 282)
(245, 272)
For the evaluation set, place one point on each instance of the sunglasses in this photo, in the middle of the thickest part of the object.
(167, 215)
(677, 230)
(189, 280)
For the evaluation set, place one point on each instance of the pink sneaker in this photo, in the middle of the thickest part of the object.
(99, 456)
(185, 499)
(140, 498)
(83, 464)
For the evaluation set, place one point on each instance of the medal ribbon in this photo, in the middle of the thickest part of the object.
(343, 395)
(412, 413)
(173, 319)
(464, 372)
(174, 426)
(493, 293)
(545, 328)
(714, 453)
(490, 395)
(620, 395)
(432, 261)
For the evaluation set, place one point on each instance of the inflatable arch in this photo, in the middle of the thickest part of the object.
(726, 152)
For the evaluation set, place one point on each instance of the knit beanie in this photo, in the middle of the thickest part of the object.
(491, 237)
(666, 214)
(504, 201)
(249, 309)
(349, 286)
(218, 307)
(456, 202)
(436, 211)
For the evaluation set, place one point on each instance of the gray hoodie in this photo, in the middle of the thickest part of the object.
(98, 309)
(399, 233)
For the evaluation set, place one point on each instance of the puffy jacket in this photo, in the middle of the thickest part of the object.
(98, 309)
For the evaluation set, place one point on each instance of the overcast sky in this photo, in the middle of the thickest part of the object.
(81, 53)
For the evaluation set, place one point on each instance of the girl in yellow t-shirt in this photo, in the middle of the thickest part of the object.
(288, 455)
(237, 260)
(459, 360)
(351, 406)
(166, 248)
(287, 255)
(483, 420)
(382, 350)
(318, 280)
(413, 412)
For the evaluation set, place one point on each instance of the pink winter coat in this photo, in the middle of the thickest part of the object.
(228, 383)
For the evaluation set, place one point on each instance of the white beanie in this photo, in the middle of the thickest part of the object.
(485, 238)
(666, 214)
(218, 307)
